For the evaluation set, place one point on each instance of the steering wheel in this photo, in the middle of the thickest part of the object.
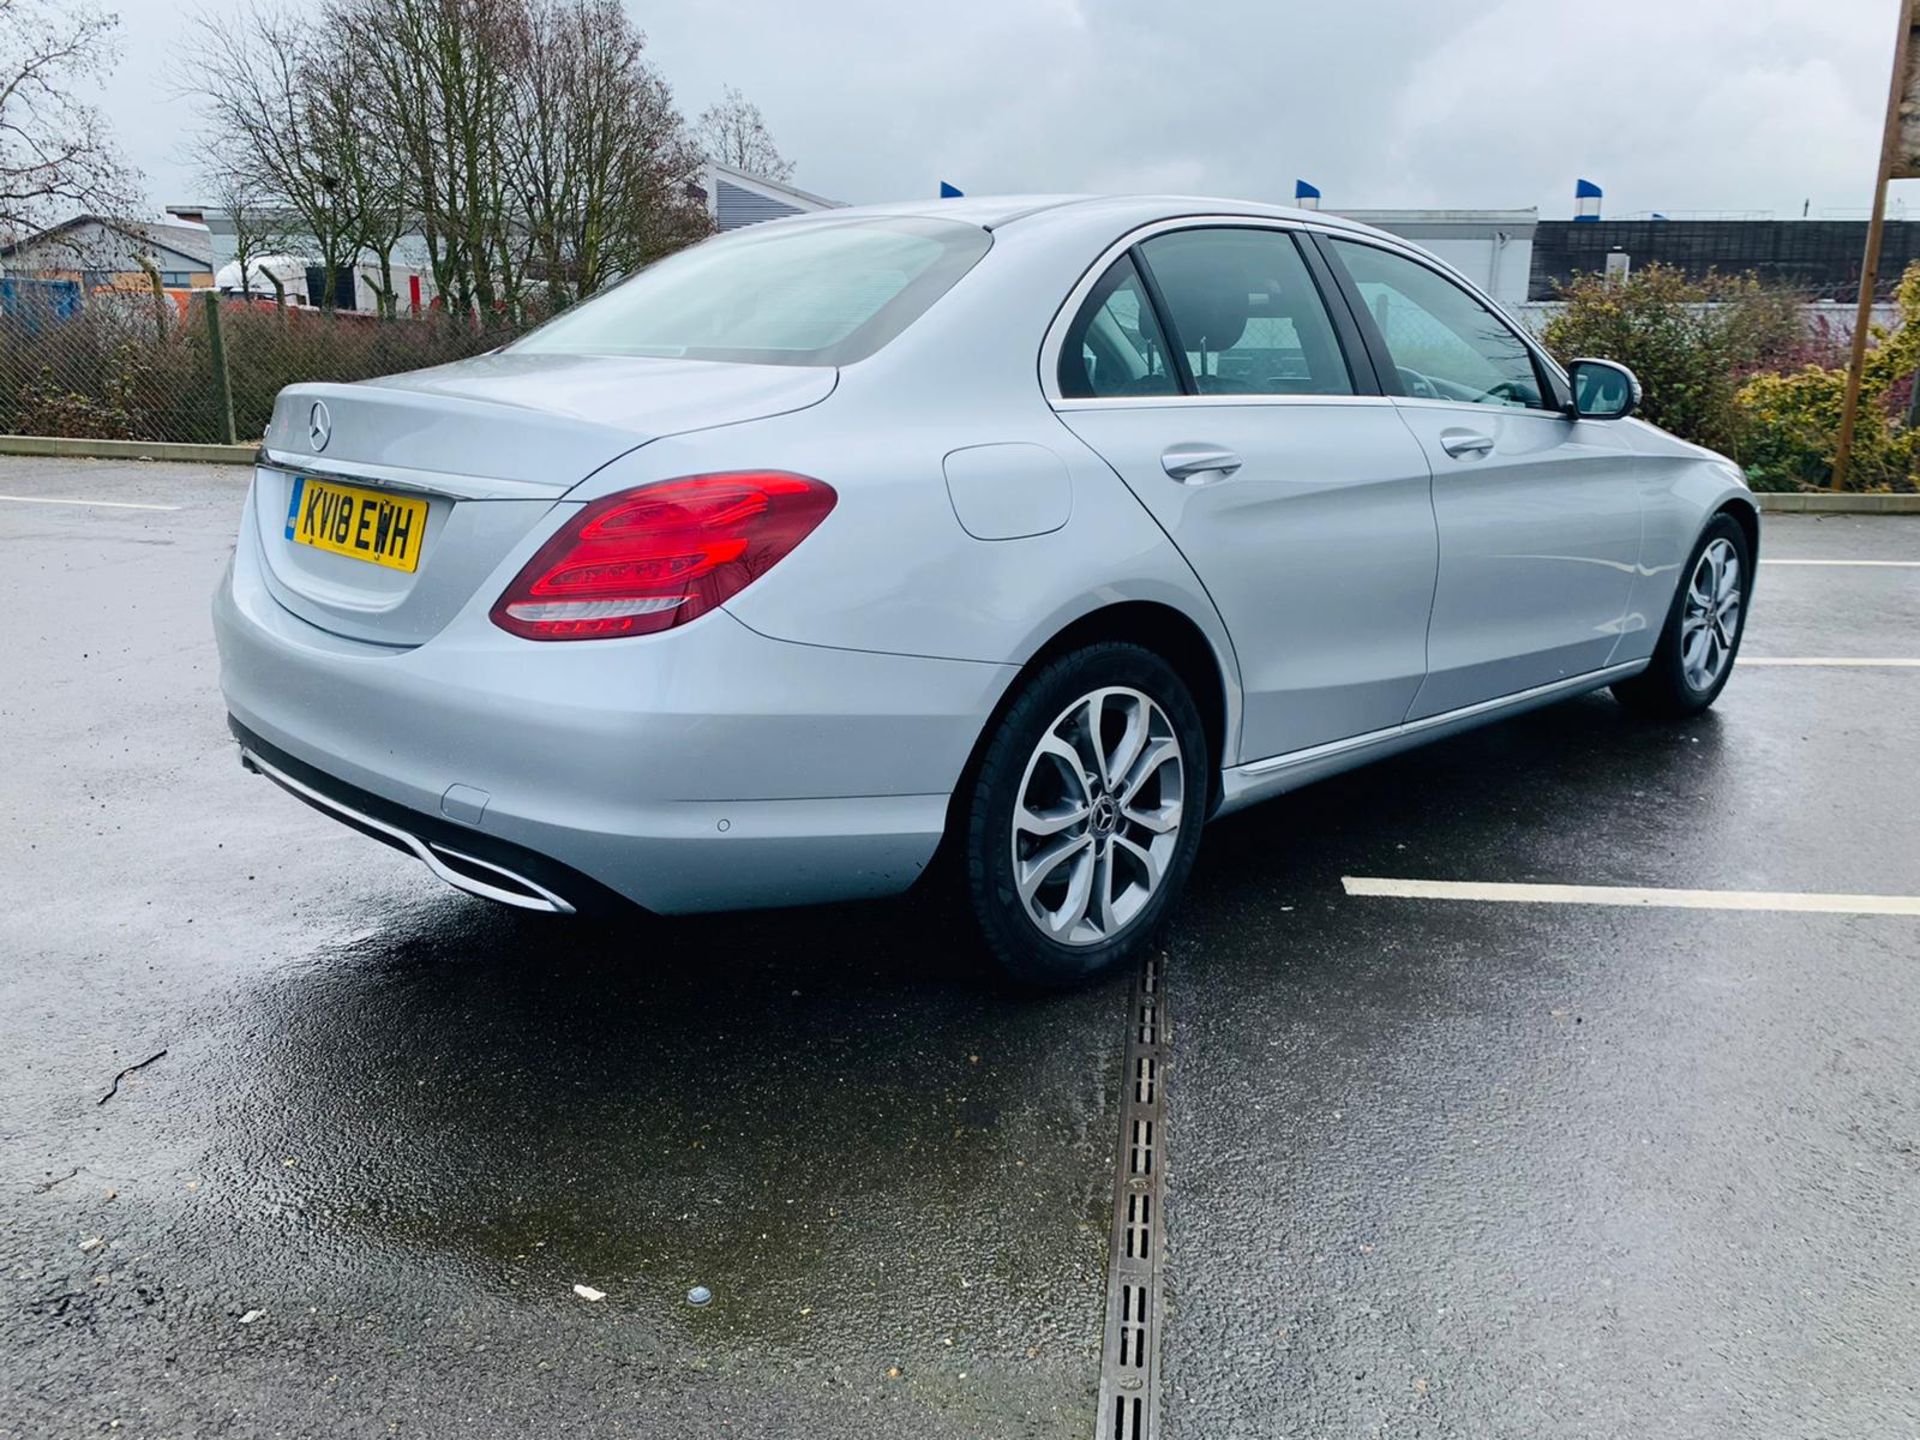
(1516, 393)
(1418, 386)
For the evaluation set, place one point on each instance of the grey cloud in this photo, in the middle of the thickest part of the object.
(1670, 104)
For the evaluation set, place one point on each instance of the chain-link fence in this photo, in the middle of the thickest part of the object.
(123, 365)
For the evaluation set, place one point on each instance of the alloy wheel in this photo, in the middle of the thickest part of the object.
(1098, 815)
(1710, 621)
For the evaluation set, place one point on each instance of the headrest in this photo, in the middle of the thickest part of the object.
(1210, 301)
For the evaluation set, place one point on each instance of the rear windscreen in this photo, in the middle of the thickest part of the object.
(819, 292)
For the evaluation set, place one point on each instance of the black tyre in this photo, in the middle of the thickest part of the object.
(1701, 639)
(1085, 814)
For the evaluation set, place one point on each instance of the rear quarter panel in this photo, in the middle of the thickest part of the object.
(892, 568)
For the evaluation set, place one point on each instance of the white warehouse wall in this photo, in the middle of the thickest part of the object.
(1492, 248)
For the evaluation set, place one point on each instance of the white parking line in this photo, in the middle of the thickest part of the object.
(90, 504)
(1862, 564)
(1804, 902)
(1855, 661)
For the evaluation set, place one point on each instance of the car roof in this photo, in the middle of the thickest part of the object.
(994, 212)
(989, 212)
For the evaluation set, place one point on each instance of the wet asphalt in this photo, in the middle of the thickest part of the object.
(1435, 1168)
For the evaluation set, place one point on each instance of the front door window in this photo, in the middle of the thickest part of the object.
(1445, 344)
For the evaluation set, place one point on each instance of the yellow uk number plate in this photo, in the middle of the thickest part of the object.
(373, 525)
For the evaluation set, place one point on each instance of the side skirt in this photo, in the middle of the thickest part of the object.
(1258, 780)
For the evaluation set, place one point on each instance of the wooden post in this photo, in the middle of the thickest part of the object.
(222, 382)
(1870, 262)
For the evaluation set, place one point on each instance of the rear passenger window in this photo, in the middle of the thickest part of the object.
(1243, 306)
(1114, 346)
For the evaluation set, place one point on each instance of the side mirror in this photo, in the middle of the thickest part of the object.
(1603, 390)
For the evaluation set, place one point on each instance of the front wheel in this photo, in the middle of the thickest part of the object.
(1701, 639)
(1086, 813)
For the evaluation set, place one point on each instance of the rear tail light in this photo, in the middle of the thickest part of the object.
(649, 559)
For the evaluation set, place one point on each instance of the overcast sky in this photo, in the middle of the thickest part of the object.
(1674, 105)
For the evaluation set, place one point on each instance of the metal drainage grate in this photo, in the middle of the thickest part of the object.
(1130, 1360)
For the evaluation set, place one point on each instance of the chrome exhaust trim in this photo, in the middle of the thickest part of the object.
(452, 866)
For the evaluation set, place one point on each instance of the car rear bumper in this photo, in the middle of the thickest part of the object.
(708, 768)
(467, 859)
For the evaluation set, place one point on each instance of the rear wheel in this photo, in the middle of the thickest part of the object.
(1701, 640)
(1086, 813)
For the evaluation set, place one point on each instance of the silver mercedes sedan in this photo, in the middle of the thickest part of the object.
(1029, 532)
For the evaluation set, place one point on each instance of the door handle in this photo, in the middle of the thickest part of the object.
(1461, 443)
(1198, 464)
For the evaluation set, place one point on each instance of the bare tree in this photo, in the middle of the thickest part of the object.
(663, 209)
(436, 88)
(528, 143)
(273, 113)
(734, 133)
(396, 40)
(259, 227)
(600, 161)
(362, 154)
(55, 152)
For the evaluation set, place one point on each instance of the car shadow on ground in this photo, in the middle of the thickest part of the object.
(823, 1111)
(1556, 794)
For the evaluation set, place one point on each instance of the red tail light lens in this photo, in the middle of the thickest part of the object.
(649, 559)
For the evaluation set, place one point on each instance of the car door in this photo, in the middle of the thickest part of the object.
(1206, 366)
(1538, 512)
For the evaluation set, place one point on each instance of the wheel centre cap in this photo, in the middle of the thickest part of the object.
(1105, 814)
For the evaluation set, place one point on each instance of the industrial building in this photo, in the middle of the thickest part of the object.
(1521, 260)
(734, 198)
(1819, 258)
(101, 254)
(1492, 248)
